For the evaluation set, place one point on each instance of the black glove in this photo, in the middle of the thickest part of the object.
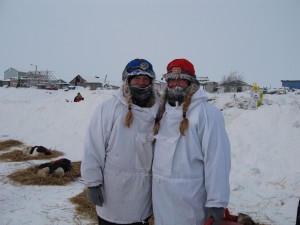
(216, 213)
(95, 195)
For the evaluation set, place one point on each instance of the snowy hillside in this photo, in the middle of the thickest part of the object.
(265, 175)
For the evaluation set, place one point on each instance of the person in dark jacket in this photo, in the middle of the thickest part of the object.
(78, 98)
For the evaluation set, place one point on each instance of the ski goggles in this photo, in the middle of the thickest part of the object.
(178, 73)
(179, 70)
(139, 64)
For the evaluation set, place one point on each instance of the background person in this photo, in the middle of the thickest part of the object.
(116, 166)
(78, 97)
(191, 162)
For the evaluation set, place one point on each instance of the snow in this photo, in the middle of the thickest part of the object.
(265, 174)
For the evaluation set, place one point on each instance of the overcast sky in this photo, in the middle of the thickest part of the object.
(258, 38)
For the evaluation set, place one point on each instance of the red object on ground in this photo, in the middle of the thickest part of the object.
(51, 88)
(227, 220)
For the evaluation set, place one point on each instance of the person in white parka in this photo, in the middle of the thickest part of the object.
(191, 163)
(118, 151)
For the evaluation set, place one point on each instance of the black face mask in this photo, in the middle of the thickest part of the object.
(140, 96)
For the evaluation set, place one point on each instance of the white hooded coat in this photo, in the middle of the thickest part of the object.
(120, 159)
(190, 172)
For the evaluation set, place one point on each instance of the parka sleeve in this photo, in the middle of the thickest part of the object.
(217, 159)
(94, 148)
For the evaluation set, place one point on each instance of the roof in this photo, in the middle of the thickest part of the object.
(290, 80)
(9, 69)
(237, 83)
(60, 81)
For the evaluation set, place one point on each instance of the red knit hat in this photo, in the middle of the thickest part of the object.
(181, 69)
(184, 64)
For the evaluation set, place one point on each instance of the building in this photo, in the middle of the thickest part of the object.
(211, 86)
(235, 86)
(295, 84)
(4, 82)
(61, 84)
(29, 79)
(18, 82)
(13, 73)
(81, 82)
(78, 81)
(92, 84)
(40, 78)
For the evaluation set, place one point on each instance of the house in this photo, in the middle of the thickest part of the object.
(61, 84)
(78, 81)
(13, 73)
(235, 86)
(4, 82)
(202, 80)
(211, 86)
(93, 85)
(18, 82)
(295, 84)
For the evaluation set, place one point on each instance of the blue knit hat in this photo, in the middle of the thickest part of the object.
(138, 67)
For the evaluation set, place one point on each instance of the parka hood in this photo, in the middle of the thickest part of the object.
(152, 110)
(200, 95)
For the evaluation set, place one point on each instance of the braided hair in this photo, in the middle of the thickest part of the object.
(127, 95)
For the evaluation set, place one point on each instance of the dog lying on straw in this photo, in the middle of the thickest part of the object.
(56, 168)
(36, 150)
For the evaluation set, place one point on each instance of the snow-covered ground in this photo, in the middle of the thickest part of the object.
(265, 175)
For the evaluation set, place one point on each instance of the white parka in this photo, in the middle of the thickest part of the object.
(120, 159)
(190, 172)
